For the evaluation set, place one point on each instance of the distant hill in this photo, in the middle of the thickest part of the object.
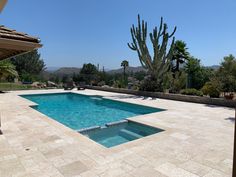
(74, 70)
(67, 71)
(52, 69)
(215, 67)
(129, 69)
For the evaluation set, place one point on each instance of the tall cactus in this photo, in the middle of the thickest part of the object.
(159, 64)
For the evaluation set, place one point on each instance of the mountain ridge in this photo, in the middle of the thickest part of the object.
(76, 70)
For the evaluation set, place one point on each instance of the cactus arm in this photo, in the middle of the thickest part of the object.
(173, 32)
(131, 46)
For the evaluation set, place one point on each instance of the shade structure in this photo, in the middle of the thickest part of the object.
(14, 43)
(2, 4)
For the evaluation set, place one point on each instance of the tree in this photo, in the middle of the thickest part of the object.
(180, 56)
(177, 83)
(212, 88)
(227, 74)
(65, 78)
(7, 69)
(140, 75)
(88, 69)
(28, 65)
(159, 64)
(207, 74)
(198, 75)
(57, 80)
(124, 64)
(89, 73)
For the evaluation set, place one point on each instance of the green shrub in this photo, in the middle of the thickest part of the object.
(150, 84)
(179, 82)
(212, 89)
(120, 84)
(191, 91)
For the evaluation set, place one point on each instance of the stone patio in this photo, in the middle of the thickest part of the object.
(197, 141)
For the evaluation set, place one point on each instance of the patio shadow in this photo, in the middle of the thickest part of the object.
(216, 106)
(232, 119)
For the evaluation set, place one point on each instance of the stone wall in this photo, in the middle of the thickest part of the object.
(177, 97)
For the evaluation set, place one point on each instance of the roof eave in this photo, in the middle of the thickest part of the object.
(2, 4)
(11, 47)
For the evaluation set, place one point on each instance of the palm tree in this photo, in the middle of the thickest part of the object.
(124, 64)
(7, 69)
(180, 55)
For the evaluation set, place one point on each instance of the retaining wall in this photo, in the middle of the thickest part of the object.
(177, 97)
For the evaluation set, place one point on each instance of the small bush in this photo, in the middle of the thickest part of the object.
(150, 84)
(119, 84)
(191, 91)
(101, 83)
(212, 89)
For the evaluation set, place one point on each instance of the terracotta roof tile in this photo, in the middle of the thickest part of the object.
(8, 33)
(14, 43)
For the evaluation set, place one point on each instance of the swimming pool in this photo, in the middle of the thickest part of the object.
(79, 111)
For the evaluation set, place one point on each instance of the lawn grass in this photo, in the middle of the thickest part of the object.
(14, 86)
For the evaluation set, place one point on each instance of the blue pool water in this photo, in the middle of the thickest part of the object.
(79, 111)
(120, 133)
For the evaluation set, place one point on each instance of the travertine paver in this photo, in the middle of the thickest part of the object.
(214, 173)
(197, 141)
(195, 168)
(73, 168)
(173, 171)
(180, 136)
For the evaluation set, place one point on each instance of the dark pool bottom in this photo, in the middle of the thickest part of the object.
(119, 133)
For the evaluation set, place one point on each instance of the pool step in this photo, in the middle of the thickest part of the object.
(137, 131)
(129, 135)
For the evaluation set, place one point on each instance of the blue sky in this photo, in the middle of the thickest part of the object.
(74, 32)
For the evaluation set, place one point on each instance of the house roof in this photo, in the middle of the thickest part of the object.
(13, 34)
(2, 4)
(14, 43)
